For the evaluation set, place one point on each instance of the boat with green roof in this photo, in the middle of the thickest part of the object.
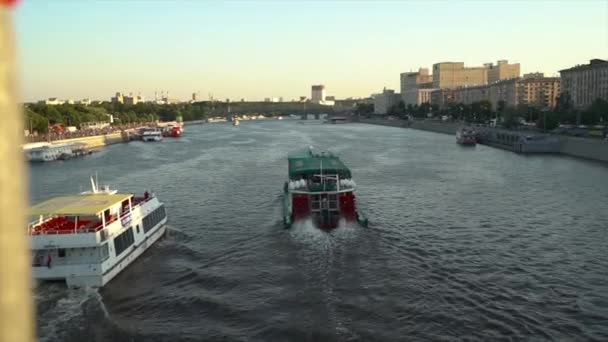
(320, 187)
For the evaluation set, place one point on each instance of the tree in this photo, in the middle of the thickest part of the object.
(597, 112)
(548, 121)
(500, 106)
(364, 108)
(398, 109)
(510, 117)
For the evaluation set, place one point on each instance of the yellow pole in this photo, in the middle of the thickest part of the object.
(16, 323)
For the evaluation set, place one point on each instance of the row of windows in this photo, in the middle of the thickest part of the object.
(154, 218)
(123, 241)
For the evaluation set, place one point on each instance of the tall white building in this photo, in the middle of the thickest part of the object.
(318, 94)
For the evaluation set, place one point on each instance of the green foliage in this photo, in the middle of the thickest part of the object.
(35, 121)
(41, 115)
(509, 117)
(398, 109)
(596, 113)
(548, 121)
(364, 108)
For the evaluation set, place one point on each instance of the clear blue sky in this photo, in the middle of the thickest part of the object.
(256, 49)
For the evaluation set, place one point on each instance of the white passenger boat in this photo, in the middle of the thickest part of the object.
(87, 239)
(49, 152)
(152, 135)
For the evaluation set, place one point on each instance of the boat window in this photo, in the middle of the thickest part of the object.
(61, 252)
(104, 254)
(103, 235)
(137, 228)
(154, 218)
(123, 241)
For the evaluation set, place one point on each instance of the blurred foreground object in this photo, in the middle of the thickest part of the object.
(9, 2)
(16, 322)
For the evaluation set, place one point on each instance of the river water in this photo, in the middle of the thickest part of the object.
(463, 243)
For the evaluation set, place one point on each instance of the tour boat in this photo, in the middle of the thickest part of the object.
(87, 239)
(466, 136)
(172, 131)
(321, 188)
(49, 152)
(151, 135)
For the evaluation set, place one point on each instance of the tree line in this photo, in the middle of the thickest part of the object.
(39, 116)
(482, 112)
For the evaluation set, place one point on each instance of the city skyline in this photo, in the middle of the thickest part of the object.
(257, 50)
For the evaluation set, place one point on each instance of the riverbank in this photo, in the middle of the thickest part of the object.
(90, 142)
(592, 149)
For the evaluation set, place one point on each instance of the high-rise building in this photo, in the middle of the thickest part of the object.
(318, 93)
(416, 80)
(502, 71)
(454, 74)
(193, 97)
(586, 83)
(130, 99)
(118, 98)
(416, 87)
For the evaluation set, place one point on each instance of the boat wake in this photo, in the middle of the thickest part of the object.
(63, 312)
(320, 257)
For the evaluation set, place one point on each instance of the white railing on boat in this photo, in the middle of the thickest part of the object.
(98, 228)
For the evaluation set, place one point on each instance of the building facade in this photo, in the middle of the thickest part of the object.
(586, 83)
(443, 98)
(385, 100)
(502, 71)
(417, 96)
(538, 91)
(468, 95)
(317, 93)
(533, 90)
(416, 80)
(452, 75)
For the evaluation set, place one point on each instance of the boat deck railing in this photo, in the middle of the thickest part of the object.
(60, 224)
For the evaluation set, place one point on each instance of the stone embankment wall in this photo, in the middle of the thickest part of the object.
(593, 149)
(437, 127)
(94, 141)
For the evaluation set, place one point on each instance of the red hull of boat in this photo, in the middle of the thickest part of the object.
(301, 210)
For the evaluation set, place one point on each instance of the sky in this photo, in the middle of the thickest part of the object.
(74, 49)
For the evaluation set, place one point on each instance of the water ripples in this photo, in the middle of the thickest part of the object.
(475, 244)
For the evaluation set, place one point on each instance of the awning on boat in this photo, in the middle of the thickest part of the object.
(307, 162)
(91, 204)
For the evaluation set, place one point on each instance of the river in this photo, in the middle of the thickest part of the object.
(468, 243)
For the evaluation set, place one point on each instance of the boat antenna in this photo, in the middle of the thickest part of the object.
(322, 179)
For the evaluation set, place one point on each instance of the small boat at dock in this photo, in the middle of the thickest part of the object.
(320, 187)
(49, 152)
(466, 136)
(151, 134)
(87, 239)
(172, 131)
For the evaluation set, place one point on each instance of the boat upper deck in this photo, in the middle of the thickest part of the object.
(306, 164)
(79, 214)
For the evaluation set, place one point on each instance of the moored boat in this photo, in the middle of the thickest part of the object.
(151, 134)
(466, 136)
(321, 188)
(236, 122)
(50, 152)
(173, 131)
(87, 239)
